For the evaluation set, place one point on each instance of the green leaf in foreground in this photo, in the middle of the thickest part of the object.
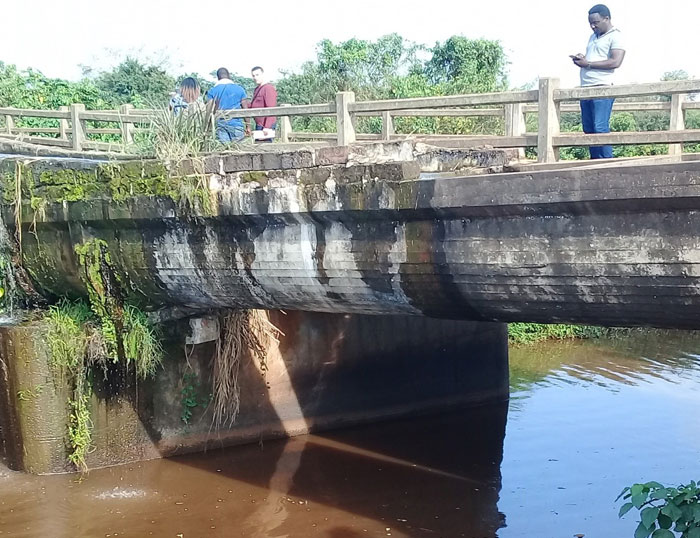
(649, 515)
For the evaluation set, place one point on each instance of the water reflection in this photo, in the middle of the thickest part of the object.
(434, 476)
(585, 419)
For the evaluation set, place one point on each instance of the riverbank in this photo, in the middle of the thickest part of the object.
(530, 333)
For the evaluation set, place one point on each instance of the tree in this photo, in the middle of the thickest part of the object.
(135, 83)
(468, 65)
(367, 68)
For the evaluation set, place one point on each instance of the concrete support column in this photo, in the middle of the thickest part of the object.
(63, 125)
(285, 127)
(127, 127)
(677, 121)
(514, 118)
(9, 124)
(548, 121)
(77, 126)
(345, 126)
(387, 125)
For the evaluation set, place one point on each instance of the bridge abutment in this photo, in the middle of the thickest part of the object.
(326, 371)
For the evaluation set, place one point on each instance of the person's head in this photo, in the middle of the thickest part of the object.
(222, 73)
(258, 75)
(599, 19)
(189, 89)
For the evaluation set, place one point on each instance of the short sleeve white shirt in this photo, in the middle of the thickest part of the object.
(599, 49)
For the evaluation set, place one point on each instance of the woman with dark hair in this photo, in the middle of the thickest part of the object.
(187, 96)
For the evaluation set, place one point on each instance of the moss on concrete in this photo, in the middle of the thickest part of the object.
(46, 182)
(136, 178)
(254, 176)
(67, 185)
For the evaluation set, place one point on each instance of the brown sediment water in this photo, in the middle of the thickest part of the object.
(584, 420)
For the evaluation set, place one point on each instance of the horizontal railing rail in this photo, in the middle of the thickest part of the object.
(76, 125)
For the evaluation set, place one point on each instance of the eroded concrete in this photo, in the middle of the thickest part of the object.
(611, 246)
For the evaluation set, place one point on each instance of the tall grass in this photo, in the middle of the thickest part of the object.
(173, 138)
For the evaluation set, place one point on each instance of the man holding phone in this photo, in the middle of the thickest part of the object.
(604, 54)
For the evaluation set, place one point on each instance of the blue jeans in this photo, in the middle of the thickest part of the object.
(229, 133)
(595, 117)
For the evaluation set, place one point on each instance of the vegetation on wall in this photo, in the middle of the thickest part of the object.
(84, 336)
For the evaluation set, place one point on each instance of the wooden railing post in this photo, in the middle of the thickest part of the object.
(127, 127)
(346, 129)
(547, 121)
(387, 125)
(285, 127)
(514, 117)
(63, 124)
(677, 121)
(77, 126)
(9, 124)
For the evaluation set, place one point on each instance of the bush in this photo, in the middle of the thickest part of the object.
(663, 509)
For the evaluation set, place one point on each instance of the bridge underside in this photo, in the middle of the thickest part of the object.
(611, 245)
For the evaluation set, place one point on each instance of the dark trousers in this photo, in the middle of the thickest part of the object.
(595, 117)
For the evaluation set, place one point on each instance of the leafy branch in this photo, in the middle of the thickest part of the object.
(664, 511)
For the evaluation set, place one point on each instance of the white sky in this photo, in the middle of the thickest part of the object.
(55, 36)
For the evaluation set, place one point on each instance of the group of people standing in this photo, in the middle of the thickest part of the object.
(227, 95)
(604, 54)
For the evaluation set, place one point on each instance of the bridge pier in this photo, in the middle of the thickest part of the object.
(327, 371)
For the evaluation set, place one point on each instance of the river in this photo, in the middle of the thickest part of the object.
(585, 419)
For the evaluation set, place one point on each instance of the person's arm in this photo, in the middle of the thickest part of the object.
(245, 103)
(270, 100)
(615, 61)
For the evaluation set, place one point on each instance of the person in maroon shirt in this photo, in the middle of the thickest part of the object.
(264, 96)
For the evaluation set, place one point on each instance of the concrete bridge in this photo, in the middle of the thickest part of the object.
(355, 251)
(610, 244)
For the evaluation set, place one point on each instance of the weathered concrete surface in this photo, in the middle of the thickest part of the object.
(610, 246)
(327, 371)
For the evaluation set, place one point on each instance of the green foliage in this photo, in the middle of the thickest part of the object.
(191, 398)
(389, 68)
(664, 511)
(135, 83)
(141, 343)
(80, 428)
(67, 338)
(127, 333)
(529, 333)
(463, 65)
(99, 277)
(172, 138)
(32, 89)
(75, 345)
(26, 395)
(366, 67)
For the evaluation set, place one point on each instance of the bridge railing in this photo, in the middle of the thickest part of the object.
(548, 101)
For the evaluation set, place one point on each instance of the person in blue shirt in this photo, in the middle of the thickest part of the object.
(228, 96)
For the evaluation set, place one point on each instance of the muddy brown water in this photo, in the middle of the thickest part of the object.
(584, 420)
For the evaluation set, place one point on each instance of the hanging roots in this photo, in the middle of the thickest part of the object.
(241, 331)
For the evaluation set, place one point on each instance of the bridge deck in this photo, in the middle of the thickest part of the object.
(611, 244)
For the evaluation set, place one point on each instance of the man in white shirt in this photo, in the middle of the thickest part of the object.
(604, 54)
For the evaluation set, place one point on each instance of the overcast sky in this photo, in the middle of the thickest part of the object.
(56, 36)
